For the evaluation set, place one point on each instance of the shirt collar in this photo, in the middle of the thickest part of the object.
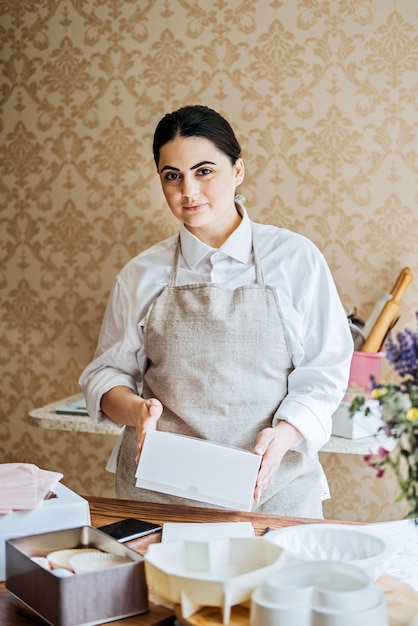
(238, 246)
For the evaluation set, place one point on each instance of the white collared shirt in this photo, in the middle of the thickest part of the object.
(316, 326)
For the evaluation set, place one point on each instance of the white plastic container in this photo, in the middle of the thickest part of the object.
(336, 542)
(219, 573)
(322, 593)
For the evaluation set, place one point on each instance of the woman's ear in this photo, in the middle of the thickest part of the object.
(239, 171)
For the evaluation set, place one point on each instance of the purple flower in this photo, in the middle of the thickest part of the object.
(402, 353)
(399, 412)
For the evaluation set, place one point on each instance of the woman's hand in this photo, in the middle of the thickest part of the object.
(124, 406)
(272, 444)
(150, 412)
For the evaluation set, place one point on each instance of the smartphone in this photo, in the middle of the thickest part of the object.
(130, 528)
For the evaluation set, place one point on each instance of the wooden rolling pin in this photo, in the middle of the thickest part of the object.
(378, 307)
(388, 315)
(398, 282)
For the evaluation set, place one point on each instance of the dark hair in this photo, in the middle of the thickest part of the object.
(197, 121)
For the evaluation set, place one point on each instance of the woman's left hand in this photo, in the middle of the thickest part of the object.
(272, 444)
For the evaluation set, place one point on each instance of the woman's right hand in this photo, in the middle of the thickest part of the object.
(150, 412)
(123, 406)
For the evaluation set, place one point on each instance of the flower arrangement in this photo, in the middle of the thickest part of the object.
(399, 405)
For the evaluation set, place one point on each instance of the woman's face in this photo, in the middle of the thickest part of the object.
(199, 184)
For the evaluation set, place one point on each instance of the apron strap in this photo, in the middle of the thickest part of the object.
(257, 263)
(176, 264)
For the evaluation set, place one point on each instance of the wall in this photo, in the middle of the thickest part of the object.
(323, 97)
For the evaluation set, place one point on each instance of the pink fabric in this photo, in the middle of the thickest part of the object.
(24, 486)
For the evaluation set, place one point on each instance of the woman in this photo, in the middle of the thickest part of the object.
(232, 331)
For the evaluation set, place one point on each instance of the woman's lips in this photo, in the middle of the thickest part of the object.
(193, 207)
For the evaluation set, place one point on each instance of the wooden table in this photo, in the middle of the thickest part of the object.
(107, 510)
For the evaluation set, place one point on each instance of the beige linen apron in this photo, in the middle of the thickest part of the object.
(219, 362)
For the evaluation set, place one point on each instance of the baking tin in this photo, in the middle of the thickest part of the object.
(80, 599)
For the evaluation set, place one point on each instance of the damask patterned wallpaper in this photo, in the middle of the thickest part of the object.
(324, 99)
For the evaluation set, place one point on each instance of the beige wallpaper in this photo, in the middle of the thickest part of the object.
(324, 99)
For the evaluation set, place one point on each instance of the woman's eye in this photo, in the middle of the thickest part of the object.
(170, 176)
(204, 171)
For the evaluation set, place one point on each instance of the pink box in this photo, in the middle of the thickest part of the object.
(363, 366)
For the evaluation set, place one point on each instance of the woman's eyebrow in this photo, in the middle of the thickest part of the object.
(176, 169)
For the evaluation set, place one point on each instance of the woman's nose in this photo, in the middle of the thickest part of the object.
(190, 187)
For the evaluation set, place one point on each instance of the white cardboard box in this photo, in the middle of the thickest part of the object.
(67, 510)
(359, 425)
(198, 469)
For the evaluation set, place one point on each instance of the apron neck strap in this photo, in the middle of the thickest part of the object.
(257, 263)
(176, 264)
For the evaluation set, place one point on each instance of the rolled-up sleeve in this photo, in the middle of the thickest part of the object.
(322, 348)
(119, 357)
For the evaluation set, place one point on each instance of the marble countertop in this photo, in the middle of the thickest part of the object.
(361, 446)
(46, 417)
